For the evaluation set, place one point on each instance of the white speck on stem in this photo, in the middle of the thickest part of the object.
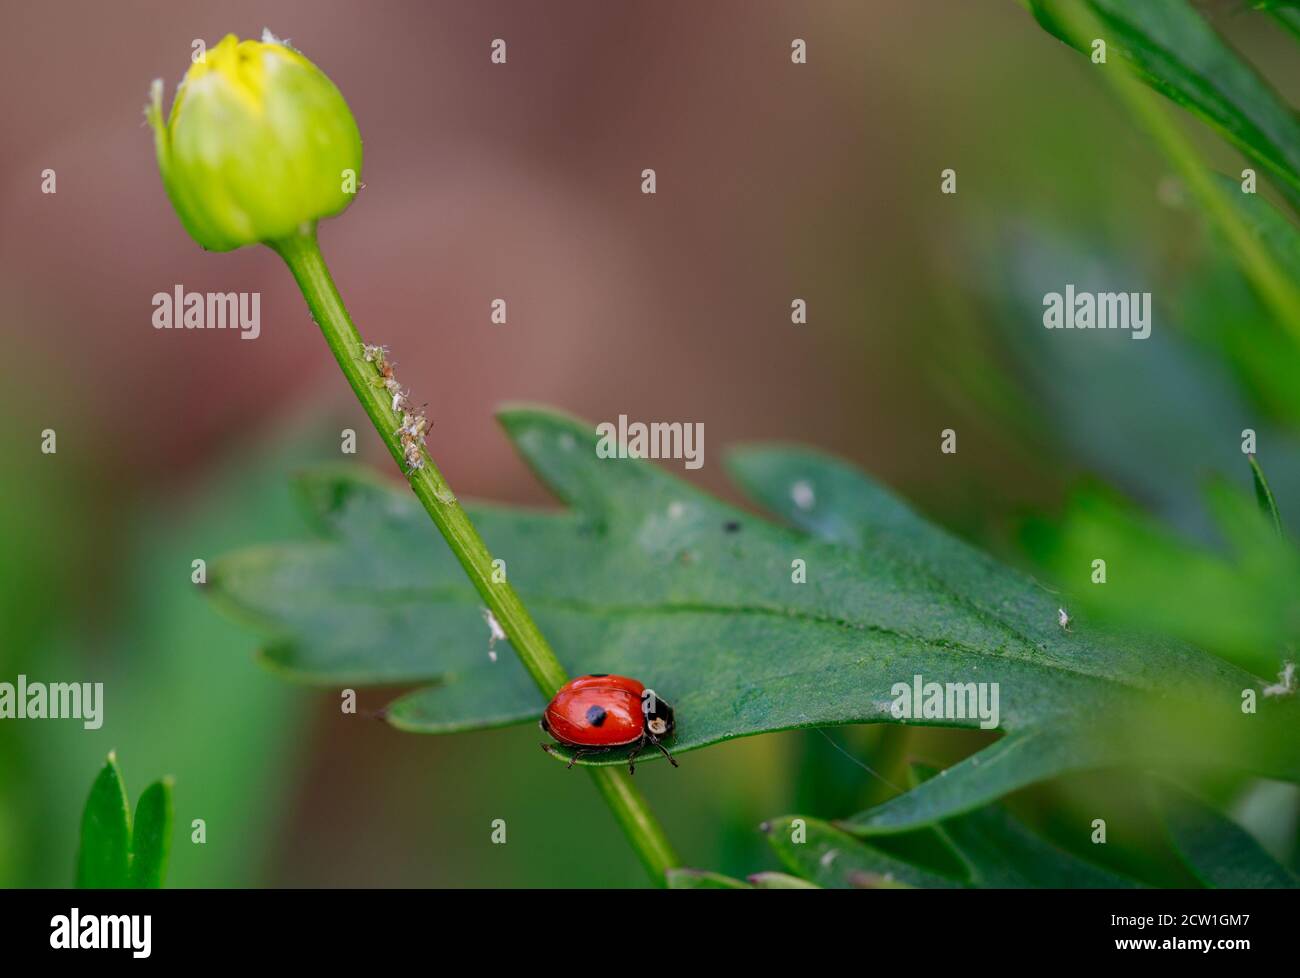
(1285, 685)
(495, 633)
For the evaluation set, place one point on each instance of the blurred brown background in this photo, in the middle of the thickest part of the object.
(521, 181)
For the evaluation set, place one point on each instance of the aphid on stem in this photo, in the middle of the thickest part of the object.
(1286, 683)
(495, 633)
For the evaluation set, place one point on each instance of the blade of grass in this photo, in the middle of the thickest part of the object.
(151, 837)
(104, 859)
(1267, 504)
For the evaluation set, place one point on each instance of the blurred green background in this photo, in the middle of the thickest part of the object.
(818, 181)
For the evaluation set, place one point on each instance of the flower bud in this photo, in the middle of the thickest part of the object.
(259, 144)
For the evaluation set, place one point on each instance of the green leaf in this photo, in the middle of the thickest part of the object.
(1285, 12)
(114, 854)
(999, 851)
(780, 881)
(1220, 310)
(838, 503)
(104, 859)
(1217, 850)
(699, 879)
(646, 576)
(1241, 604)
(991, 847)
(151, 837)
(1178, 54)
(834, 859)
(1016, 761)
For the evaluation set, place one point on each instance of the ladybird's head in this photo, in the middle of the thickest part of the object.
(658, 715)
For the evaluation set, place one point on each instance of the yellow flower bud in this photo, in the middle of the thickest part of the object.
(259, 144)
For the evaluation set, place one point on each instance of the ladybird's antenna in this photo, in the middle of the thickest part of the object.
(866, 767)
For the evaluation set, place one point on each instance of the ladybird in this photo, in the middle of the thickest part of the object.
(600, 712)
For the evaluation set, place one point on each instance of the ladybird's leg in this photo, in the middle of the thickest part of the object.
(671, 760)
(636, 749)
(576, 754)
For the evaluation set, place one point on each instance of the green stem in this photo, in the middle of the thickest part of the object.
(302, 254)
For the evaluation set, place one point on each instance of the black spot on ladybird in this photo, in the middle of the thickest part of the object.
(595, 715)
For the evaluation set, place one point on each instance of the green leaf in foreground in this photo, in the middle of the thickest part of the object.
(105, 856)
(700, 879)
(831, 858)
(999, 851)
(780, 881)
(113, 853)
(1223, 312)
(1216, 849)
(991, 849)
(644, 575)
(151, 836)
(1242, 603)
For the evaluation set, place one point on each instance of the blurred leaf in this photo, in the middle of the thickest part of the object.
(1273, 229)
(166, 660)
(1223, 316)
(1285, 12)
(151, 837)
(1243, 604)
(105, 856)
(1151, 415)
(831, 858)
(699, 879)
(1000, 851)
(1017, 760)
(1178, 54)
(1288, 17)
(1217, 850)
(1264, 495)
(993, 849)
(1222, 310)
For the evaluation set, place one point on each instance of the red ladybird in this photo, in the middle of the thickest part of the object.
(600, 712)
